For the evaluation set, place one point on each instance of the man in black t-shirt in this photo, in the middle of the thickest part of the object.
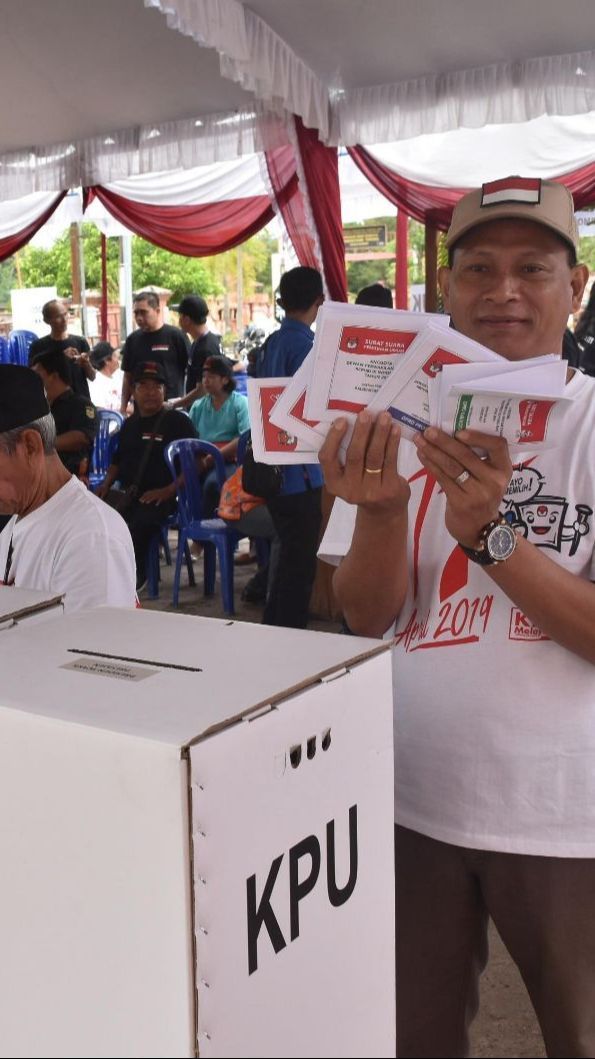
(76, 348)
(154, 341)
(193, 312)
(151, 429)
(75, 417)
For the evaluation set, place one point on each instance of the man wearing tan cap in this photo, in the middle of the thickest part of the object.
(494, 648)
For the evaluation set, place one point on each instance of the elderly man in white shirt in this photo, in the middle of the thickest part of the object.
(60, 538)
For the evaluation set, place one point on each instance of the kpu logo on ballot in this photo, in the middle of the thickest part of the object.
(374, 342)
(260, 911)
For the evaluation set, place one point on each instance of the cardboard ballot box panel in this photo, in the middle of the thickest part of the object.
(294, 884)
(96, 957)
(25, 604)
(130, 925)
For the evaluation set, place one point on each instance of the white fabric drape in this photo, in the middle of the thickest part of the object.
(216, 24)
(171, 145)
(252, 55)
(17, 214)
(496, 94)
(183, 187)
(544, 147)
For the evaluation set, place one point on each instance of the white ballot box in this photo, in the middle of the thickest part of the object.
(197, 840)
(19, 605)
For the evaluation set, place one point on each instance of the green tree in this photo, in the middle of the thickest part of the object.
(151, 266)
(44, 268)
(8, 280)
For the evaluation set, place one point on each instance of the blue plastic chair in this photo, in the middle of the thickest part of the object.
(18, 346)
(4, 350)
(241, 380)
(242, 445)
(217, 538)
(108, 429)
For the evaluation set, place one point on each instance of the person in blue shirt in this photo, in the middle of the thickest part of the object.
(219, 417)
(296, 511)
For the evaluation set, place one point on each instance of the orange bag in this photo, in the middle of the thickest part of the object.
(234, 501)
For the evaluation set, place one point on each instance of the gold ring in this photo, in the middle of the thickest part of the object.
(373, 470)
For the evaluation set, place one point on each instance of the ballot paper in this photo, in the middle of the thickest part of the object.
(271, 443)
(356, 348)
(406, 392)
(288, 411)
(522, 402)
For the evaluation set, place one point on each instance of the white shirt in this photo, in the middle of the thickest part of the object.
(494, 723)
(75, 545)
(106, 391)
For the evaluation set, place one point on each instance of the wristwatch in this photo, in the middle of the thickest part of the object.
(497, 543)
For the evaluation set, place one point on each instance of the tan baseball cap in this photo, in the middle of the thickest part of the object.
(527, 198)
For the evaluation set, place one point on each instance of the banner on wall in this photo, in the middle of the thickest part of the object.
(26, 308)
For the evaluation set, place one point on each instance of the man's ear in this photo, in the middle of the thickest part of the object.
(32, 444)
(578, 282)
(444, 274)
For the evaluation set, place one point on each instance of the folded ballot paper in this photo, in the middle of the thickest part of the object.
(356, 348)
(272, 443)
(419, 369)
(523, 402)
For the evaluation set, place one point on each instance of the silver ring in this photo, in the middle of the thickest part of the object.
(462, 477)
(373, 470)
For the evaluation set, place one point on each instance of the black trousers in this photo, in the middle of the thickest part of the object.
(143, 521)
(297, 518)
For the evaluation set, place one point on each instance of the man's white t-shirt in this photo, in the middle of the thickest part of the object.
(75, 545)
(494, 723)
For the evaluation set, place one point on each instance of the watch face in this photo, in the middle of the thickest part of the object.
(501, 542)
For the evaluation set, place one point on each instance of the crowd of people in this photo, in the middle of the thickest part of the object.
(166, 388)
(481, 570)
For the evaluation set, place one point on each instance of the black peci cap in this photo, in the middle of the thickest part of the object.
(22, 397)
(194, 306)
(149, 369)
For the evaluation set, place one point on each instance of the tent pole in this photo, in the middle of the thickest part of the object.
(401, 260)
(103, 320)
(431, 256)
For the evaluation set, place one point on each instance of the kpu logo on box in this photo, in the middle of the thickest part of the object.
(522, 628)
(261, 914)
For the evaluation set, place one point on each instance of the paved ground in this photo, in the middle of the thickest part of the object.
(505, 1027)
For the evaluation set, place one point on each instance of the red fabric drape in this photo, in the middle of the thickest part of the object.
(103, 309)
(427, 203)
(416, 200)
(195, 231)
(321, 170)
(283, 176)
(11, 243)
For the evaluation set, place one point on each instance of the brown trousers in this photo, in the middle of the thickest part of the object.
(544, 911)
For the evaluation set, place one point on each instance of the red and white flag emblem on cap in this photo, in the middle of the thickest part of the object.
(511, 189)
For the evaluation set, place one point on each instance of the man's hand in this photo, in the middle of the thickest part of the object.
(156, 496)
(369, 477)
(474, 487)
(102, 490)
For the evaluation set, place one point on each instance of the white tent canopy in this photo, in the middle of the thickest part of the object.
(98, 92)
